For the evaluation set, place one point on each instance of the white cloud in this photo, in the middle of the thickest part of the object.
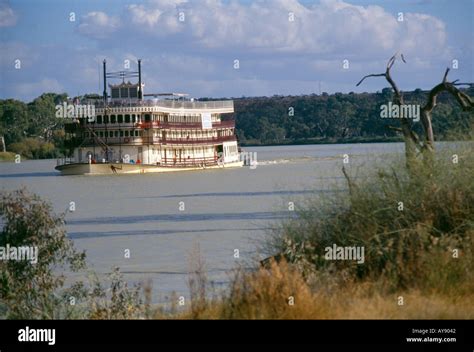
(98, 25)
(276, 56)
(159, 17)
(7, 16)
(332, 27)
(140, 16)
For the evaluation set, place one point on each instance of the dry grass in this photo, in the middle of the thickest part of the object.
(268, 293)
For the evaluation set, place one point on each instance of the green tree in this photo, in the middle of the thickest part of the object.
(13, 120)
(42, 119)
(29, 290)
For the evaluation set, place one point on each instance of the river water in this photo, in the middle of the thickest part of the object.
(161, 219)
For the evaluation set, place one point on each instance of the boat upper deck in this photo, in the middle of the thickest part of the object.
(167, 106)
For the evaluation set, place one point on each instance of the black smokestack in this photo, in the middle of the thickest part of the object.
(140, 79)
(105, 81)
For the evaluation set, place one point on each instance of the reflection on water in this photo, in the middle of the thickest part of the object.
(161, 217)
(251, 194)
(181, 218)
(77, 235)
(30, 174)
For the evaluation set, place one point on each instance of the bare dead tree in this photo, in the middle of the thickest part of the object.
(413, 144)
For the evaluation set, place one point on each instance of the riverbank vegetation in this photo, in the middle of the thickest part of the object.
(7, 156)
(338, 118)
(418, 258)
(32, 129)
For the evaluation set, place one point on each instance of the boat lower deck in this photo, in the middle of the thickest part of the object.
(127, 168)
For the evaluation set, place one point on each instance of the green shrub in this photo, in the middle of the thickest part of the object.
(405, 248)
(30, 290)
(34, 148)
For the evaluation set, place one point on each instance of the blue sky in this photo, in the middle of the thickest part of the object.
(285, 47)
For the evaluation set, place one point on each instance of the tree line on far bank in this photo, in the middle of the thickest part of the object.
(339, 118)
(32, 129)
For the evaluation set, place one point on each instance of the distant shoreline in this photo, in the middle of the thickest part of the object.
(251, 143)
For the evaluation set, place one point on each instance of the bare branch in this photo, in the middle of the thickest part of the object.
(446, 75)
(462, 98)
(391, 62)
(398, 129)
(466, 98)
(350, 183)
(372, 75)
(412, 140)
(415, 137)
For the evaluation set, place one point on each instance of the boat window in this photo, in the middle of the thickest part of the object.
(133, 118)
(121, 133)
(113, 119)
(127, 118)
(106, 119)
(147, 117)
(136, 133)
(99, 119)
(101, 134)
(120, 118)
(116, 133)
(115, 93)
(126, 134)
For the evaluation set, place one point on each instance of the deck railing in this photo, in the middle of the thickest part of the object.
(168, 162)
(157, 124)
(220, 124)
(212, 140)
(173, 104)
(114, 141)
(64, 161)
(196, 162)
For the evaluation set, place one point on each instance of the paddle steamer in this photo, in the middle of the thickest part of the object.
(133, 132)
